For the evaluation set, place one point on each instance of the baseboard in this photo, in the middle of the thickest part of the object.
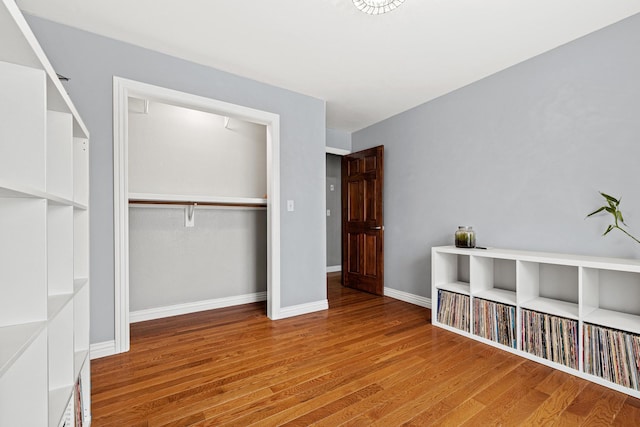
(102, 349)
(297, 310)
(334, 268)
(193, 307)
(407, 297)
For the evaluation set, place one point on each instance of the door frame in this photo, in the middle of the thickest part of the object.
(338, 152)
(122, 89)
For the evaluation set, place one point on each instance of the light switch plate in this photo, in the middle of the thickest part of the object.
(290, 206)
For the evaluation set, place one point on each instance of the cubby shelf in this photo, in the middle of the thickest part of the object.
(58, 401)
(79, 283)
(568, 291)
(15, 340)
(497, 295)
(615, 320)
(57, 303)
(79, 359)
(458, 287)
(44, 224)
(551, 306)
(9, 190)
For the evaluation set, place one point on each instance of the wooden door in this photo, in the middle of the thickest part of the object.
(362, 221)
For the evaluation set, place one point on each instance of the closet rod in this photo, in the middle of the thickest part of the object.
(172, 202)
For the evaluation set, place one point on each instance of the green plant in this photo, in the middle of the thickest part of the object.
(612, 208)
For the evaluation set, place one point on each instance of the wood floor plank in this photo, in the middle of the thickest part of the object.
(500, 398)
(557, 402)
(605, 411)
(629, 414)
(366, 361)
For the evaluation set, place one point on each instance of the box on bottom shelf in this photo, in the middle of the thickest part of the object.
(453, 309)
(495, 322)
(550, 337)
(612, 355)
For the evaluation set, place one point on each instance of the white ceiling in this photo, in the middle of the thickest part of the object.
(367, 68)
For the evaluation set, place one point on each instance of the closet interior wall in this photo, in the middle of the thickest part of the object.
(192, 156)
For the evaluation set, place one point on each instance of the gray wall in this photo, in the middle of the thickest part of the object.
(339, 139)
(334, 203)
(91, 62)
(519, 155)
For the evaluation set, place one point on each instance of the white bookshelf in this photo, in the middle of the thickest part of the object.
(588, 290)
(44, 224)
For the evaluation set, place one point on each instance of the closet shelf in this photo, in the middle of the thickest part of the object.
(179, 199)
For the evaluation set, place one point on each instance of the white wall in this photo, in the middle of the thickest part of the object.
(175, 150)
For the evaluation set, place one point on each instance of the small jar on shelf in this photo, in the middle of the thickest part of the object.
(465, 237)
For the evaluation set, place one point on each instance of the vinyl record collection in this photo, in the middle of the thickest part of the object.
(613, 355)
(494, 321)
(453, 309)
(550, 337)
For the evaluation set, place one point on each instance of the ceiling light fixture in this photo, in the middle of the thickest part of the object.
(377, 7)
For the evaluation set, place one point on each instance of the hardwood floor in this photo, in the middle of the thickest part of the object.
(367, 361)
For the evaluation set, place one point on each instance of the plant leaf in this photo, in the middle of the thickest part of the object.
(609, 198)
(619, 216)
(596, 211)
(609, 228)
(611, 210)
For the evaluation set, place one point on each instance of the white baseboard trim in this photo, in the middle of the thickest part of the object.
(297, 310)
(102, 349)
(334, 268)
(407, 297)
(193, 307)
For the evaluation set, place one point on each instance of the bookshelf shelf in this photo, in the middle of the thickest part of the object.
(58, 401)
(44, 224)
(501, 296)
(15, 340)
(614, 320)
(56, 303)
(550, 301)
(553, 307)
(79, 359)
(79, 283)
(457, 287)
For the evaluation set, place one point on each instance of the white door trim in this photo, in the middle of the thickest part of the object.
(122, 89)
(337, 151)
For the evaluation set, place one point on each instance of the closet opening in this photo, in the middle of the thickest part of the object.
(196, 199)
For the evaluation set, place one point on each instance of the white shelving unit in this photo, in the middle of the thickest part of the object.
(588, 290)
(44, 224)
